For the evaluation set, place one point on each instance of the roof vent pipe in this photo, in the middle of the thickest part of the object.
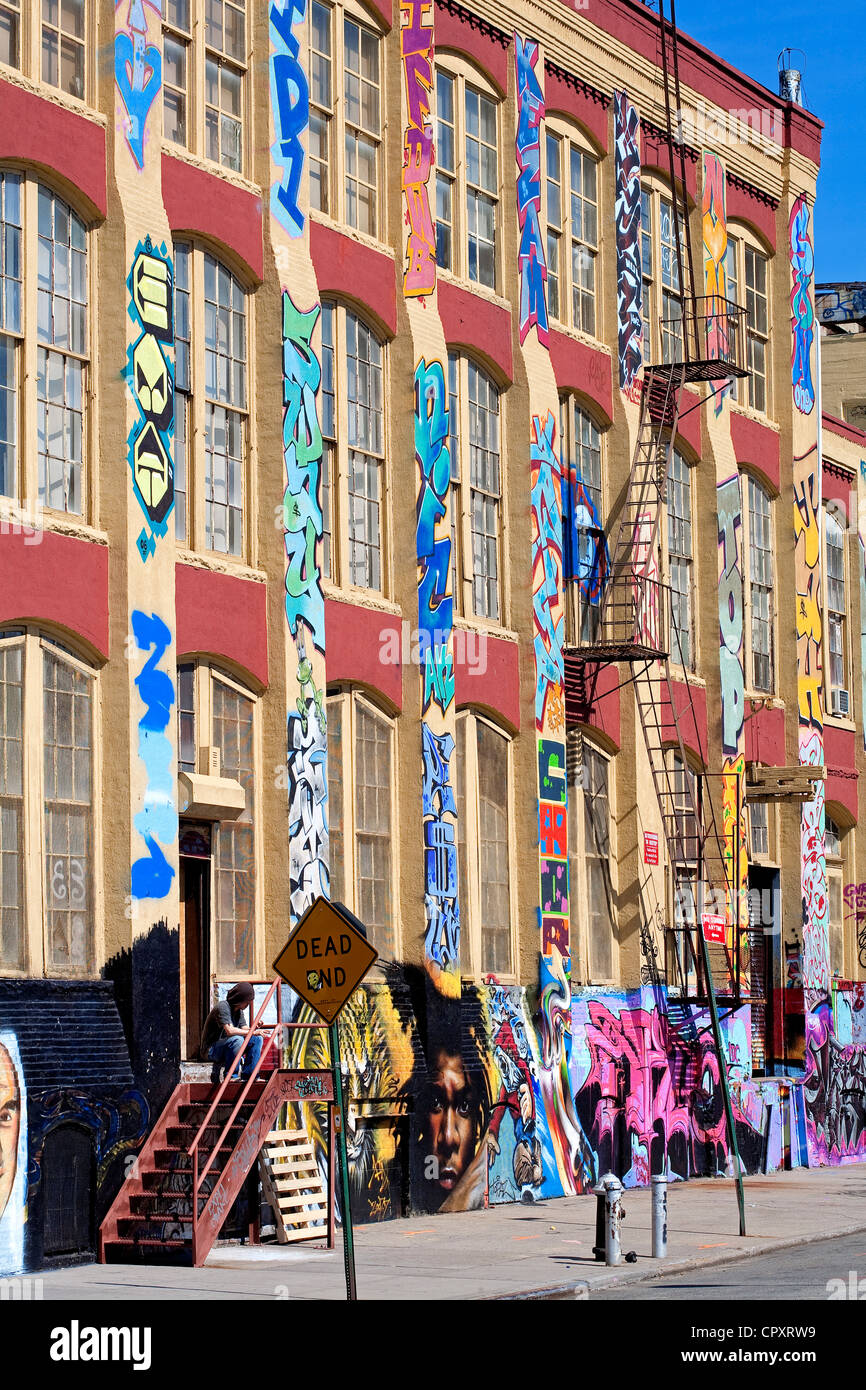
(792, 64)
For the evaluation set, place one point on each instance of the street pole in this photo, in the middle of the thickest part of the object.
(348, 1241)
(723, 1077)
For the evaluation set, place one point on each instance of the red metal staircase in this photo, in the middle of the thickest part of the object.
(207, 1140)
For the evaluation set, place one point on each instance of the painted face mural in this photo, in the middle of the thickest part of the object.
(13, 1155)
(450, 1118)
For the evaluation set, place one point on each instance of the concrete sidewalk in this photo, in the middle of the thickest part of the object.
(506, 1251)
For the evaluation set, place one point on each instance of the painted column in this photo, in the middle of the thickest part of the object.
(562, 1146)
(149, 372)
(810, 676)
(432, 511)
(729, 505)
(306, 730)
(629, 285)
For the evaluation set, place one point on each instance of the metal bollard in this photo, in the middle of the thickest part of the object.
(614, 1214)
(660, 1216)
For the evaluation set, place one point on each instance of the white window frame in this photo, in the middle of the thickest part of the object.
(350, 702)
(837, 862)
(463, 371)
(579, 854)
(659, 299)
(201, 54)
(332, 115)
(743, 253)
(749, 484)
(473, 964)
(34, 881)
(561, 237)
(836, 618)
(30, 344)
(341, 561)
(689, 561)
(467, 79)
(197, 404)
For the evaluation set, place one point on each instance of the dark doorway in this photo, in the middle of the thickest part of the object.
(764, 967)
(195, 873)
(68, 1171)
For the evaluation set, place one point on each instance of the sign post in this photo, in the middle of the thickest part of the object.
(324, 960)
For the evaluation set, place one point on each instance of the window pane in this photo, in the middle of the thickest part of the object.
(68, 814)
(373, 829)
(12, 942)
(493, 850)
(234, 847)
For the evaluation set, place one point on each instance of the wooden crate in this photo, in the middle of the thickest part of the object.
(293, 1186)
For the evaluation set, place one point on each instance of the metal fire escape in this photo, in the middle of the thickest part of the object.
(701, 344)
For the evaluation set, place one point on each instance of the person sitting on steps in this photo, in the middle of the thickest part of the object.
(223, 1036)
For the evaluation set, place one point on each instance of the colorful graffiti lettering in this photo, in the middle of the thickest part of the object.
(306, 734)
(629, 285)
(735, 840)
(13, 1156)
(416, 47)
(290, 108)
(435, 603)
(441, 906)
(586, 558)
(861, 551)
(150, 375)
(715, 231)
(513, 1136)
(802, 312)
(156, 822)
(547, 575)
(835, 1091)
(533, 266)
(137, 71)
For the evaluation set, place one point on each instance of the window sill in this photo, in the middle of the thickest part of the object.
(61, 524)
(361, 598)
(836, 721)
(758, 416)
(219, 564)
(685, 675)
(210, 166)
(54, 95)
(362, 238)
(473, 287)
(579, 335)
(486, 625)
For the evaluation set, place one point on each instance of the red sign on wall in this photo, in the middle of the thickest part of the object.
(714, 927)
(650, 847)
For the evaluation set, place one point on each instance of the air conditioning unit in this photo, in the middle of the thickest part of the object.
(841, 702)
(209, 762)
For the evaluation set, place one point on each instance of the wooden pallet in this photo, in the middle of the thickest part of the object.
(293, 1186)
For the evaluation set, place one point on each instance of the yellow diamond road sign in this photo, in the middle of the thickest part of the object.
(325, 959)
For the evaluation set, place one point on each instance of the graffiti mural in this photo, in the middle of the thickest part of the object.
(547, 574)
(861, 552)
(629, 286)
(835, 1092)
(156, 822)
(735, 840)
(807, 534)
(150, 376)
(645, 583)
(841, 303)
(436, 653)
(715, 233)
(13, 1156)
(531, 259)
(416, 47)
(137, 68)
(290, 111)
(802, 311)
(307, 741)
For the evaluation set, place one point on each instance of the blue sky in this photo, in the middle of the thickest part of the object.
(750, 34)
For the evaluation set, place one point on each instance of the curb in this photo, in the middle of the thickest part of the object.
(581, 1290)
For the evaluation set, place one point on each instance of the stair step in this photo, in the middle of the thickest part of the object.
(163, 1252)
(168, 1228)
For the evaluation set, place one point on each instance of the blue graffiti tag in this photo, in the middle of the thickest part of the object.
(302, 455)
(533, 267)
(138, 74)
(290, 106)
(151, 875)
(435, 604)
(546, 563)
(442, 939)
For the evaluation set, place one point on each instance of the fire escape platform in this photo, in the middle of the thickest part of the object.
(704, 369)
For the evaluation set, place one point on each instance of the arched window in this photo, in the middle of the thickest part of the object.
(211, 402)
(467, 173)
(44, 346)
(748, 284)
(216, 712)
(353, 457)
(592, 861)
(361, 825)
(836, 652)
(47, 828)
(759, 577)
(661, 309)
(484, 819)
(476, 489)
(571, 188)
